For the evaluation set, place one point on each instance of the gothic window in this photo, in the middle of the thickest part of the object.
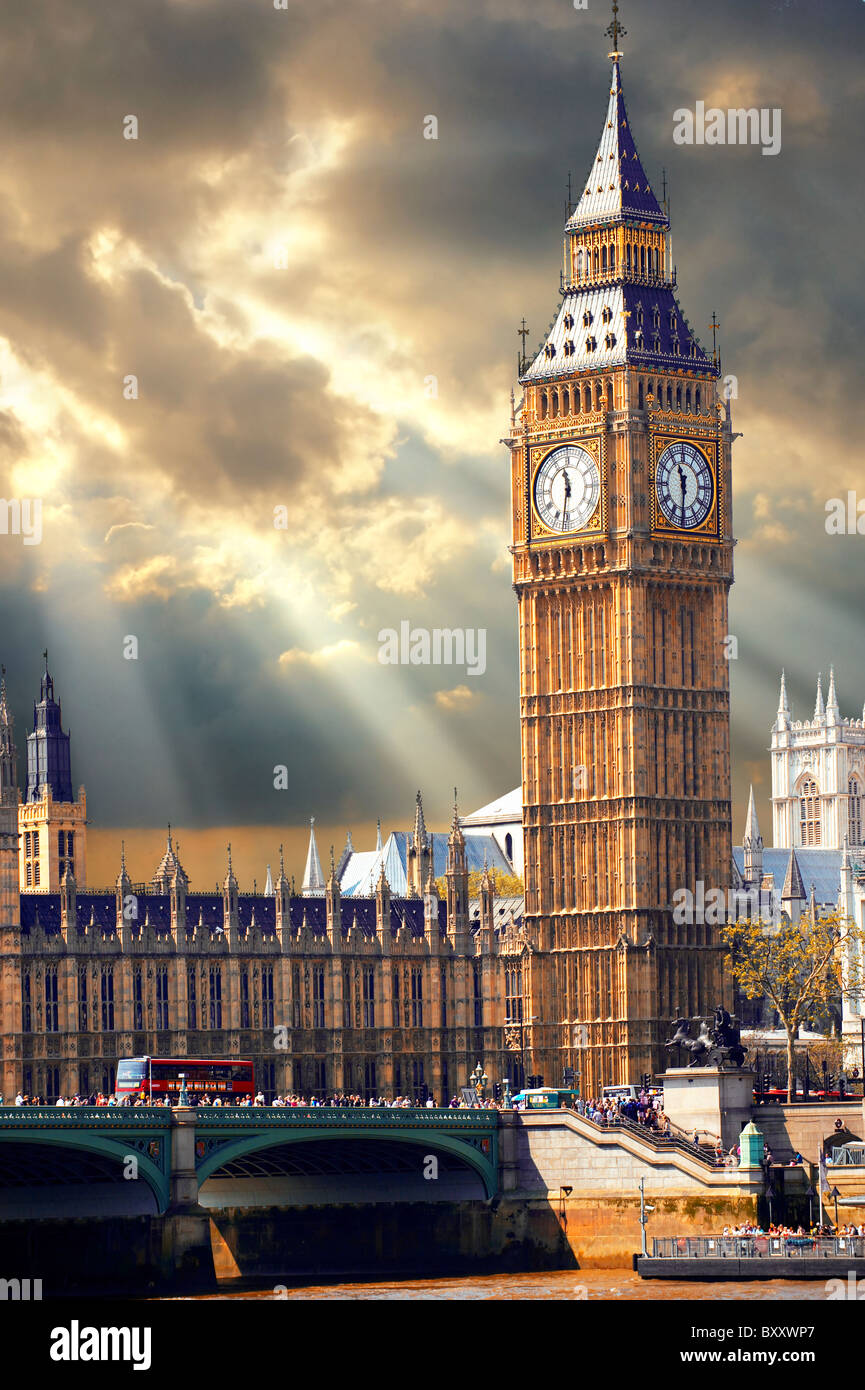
(642, 260)
(368, 984)
(509, 846)
(267, 996)
(191, 1009)
(70, 844)
(215, 997)
(137, 997)
(568, 320)
(590, 345)
(61, 846)
(319, 1071)
(697, 398)
(613, 259)
(569, 348)
(672, 321)
(606, 314)
(369, 1082)
(603, 258)
(514, 993)
(418, 1083)
(544, 405)
(52, 1022)
(809, 812)
(610, 340)
(610, 389)
(555, 403)
(26, 1002)
(656, 260)
(678, 398)
(628, 258)
(595, 260)
(36, 873)
(587, 398)
(854, 811)
(656, 317)
(669, 396)
(579, 265)
(107, 998)
(162, 996)
(677, 350)
(688, 399)
(587, 318)
(395, 999)
(346, 998)
(417, 997)
(295, 994)
(318, 996)
(29, 874)
(443, 994)
(656, 344)
(82, 1000)
(244, 999)
(640, 383)
(478, 1002)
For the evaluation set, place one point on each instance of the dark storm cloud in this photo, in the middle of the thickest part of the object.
(418, 257)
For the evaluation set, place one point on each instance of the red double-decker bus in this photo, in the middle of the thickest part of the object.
(154, 1078)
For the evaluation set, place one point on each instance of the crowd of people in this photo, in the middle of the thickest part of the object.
(645, 1110)
(793, 1232)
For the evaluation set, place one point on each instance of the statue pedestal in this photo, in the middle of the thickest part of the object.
(709, 1100)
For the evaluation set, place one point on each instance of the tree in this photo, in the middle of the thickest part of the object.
(803, 968)
(506, 885)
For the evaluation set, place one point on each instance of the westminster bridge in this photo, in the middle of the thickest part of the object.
(157, 1198)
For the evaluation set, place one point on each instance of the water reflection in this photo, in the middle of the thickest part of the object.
(553, 1286)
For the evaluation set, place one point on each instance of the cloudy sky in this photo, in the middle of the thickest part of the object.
(320, 308)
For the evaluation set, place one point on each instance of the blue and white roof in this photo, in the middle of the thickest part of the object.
(616, 186)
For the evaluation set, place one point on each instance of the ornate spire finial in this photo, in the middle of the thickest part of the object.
(123, 856)
(229, 857)
(615, 31)
(281, 862)
(819, 707)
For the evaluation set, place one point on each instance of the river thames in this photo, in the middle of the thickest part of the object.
(609, 1285)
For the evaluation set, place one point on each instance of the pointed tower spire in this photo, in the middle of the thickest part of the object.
(8, 757)
(313, 879)
(752, 844)
(378, 834)
(819, 707)
(268, 884)
(783, 702)
(832, 710)
(794, 889)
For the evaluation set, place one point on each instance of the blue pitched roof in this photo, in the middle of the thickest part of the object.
(822, 867)
(616, 185)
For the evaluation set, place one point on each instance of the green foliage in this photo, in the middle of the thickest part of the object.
(506, 885)
(803, 968)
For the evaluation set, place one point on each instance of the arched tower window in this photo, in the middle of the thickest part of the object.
(628, 257)
(640, 394)
(612, 258)
(678, 398)
(509, 846)
(603, 258)
(688, 399)
(595, 260)
(642, 260)
(587, 398)
(697, 398)
(609, 395)
(669, 396)
(544, 405)
(809, 813)
(580, 265)
(854, 811)
(555, 403)
(656, 260)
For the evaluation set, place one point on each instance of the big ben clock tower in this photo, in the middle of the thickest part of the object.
(623, 558)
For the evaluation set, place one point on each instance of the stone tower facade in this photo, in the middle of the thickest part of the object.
(818, 775)
(51, 821)
(622, 562)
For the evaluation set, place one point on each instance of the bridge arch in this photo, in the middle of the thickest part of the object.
(117, 1149)
(426, 1141)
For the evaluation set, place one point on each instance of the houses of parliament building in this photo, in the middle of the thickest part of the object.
(622, 561)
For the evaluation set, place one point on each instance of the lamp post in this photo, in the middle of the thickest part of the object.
(644, 1210)
(183, 1099)
(835, 1194)
(480, 1079)
(810, 1194)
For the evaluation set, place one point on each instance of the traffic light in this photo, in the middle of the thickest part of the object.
(568, 1077)
(497, 1090)
(842, 1086)
(644, 1081)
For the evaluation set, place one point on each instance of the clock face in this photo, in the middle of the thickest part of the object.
(567, 488)
(684, 484)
